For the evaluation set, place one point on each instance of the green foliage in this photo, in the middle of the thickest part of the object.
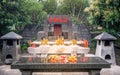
(74, 8)
(105, 13)
(50, 6)
(24, 47)
(15, 14)
(11, 16)
(93, 46)
(34, 10)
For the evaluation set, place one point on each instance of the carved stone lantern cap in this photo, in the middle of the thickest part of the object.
(11, 35)
(105, 36)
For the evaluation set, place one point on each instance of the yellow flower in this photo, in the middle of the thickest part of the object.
(74, 41)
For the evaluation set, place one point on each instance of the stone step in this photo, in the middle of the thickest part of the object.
(61, 73)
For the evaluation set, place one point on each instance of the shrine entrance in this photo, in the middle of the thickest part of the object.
(57, 30)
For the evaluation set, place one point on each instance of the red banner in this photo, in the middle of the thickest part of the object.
(58, 19)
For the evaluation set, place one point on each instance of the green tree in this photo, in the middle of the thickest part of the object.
(34, 10)
(74, 8)
(11, 16)
(105, 13)
(49, 6)
(15, 14)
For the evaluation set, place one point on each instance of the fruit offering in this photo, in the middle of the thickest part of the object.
(63, 59)
(53, 59)
(72, 59)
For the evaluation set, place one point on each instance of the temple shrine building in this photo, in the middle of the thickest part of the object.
(56, 26)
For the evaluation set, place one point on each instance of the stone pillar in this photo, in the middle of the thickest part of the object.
(46, 29)
(3, 51)
(16, 47)
(70, 31)
(19, 47)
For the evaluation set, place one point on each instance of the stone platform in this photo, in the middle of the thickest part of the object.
(5, 70)
(67, 47)
(58, 49)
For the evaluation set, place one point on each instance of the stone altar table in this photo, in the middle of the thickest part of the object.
(27, 66)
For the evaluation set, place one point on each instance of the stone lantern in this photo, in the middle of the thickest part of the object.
(105, 47)
(11, 47)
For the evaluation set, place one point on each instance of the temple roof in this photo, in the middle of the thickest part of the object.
(105, 36)
(11, 35)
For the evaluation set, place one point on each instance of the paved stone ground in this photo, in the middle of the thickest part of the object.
(114, 70)
(5, 70)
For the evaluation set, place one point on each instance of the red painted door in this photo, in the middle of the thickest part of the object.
(57, 30)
